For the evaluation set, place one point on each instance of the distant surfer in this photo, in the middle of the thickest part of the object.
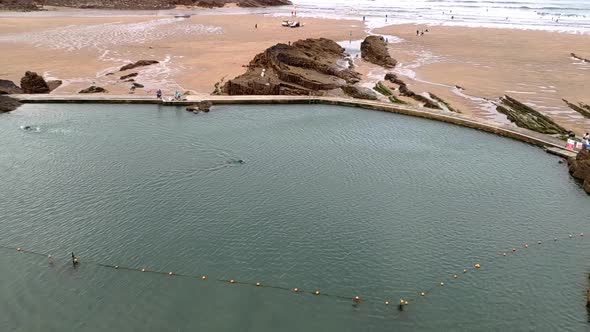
(75, 261)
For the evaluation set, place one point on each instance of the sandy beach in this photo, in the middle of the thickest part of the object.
(194, 53)
(533, 66)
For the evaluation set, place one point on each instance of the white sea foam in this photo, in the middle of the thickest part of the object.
(101, 36)
(563, 15)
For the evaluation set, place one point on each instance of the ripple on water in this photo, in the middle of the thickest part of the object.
(347, 201)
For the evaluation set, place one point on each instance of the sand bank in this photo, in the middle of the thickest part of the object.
(532, 66)
(194, 53)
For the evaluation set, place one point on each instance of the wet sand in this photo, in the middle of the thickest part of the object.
(195, 53)
(533, 66)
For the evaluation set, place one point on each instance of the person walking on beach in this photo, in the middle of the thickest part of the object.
(417, 33)
(256, 26)
(159, 94)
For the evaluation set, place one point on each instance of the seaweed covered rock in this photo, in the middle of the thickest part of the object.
(359, 92)
(140, 63)
(374, 50)
(8, 87)
(526, 117)
(307, 67)
(94, 89)
(579, 168)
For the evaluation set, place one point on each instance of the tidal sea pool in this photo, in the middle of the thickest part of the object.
(346, 201)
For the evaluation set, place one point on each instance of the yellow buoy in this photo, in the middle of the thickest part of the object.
(513, 249)
(442, 283)
(406, 302)
(386, 302)
(477, 266)
(19, 249)
(170, 273)
(526, 245)
(317, 292)
(570, 236)
(503, 254)
(116, 266)
(258, 284)
(204, 277)
(464, 270)
(357, 299)
(422, 294)
(402, 302)
(232, 281)
(296, 289)
(455, 276)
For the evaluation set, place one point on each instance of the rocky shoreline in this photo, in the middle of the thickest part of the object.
(32, 5)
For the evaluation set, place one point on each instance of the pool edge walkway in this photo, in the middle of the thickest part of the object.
(550, 144)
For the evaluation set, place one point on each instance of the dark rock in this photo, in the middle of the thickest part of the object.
(8, 87)
(109, 74)
(406, 92)
(359, 92)
(203, 106)
(54, 84)
(124, 77)
(583, 109)
(94, 89)
(579, 57)
(140, 63)
(374, 50)
(307, 67)
(129, 80)
(137, 85)
(579, 168)
(33, 83)
(526, 117)
(8, 104)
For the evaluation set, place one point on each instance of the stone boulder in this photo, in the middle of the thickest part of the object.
(8, 104)
(34, 83)
(307, 67)
(8, 87)
(94, 89)
(526, 117)
(374, 50)
(579, 168)
(125, 77)
(140, 63)
(359, 92)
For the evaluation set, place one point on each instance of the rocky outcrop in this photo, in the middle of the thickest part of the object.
(8, 104)
(406, 92)
(583, 109)
(124, 77)
(20, 5)
(94, 89)
(359, 92)
(133, 4)
(8, 87)
(137, 85)
(307, 67)
(202, 106)
(374, 50)
(140, 63)
(579, 57)
(33, 83)
(526, 117)
(579, 168)
(444, 102)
